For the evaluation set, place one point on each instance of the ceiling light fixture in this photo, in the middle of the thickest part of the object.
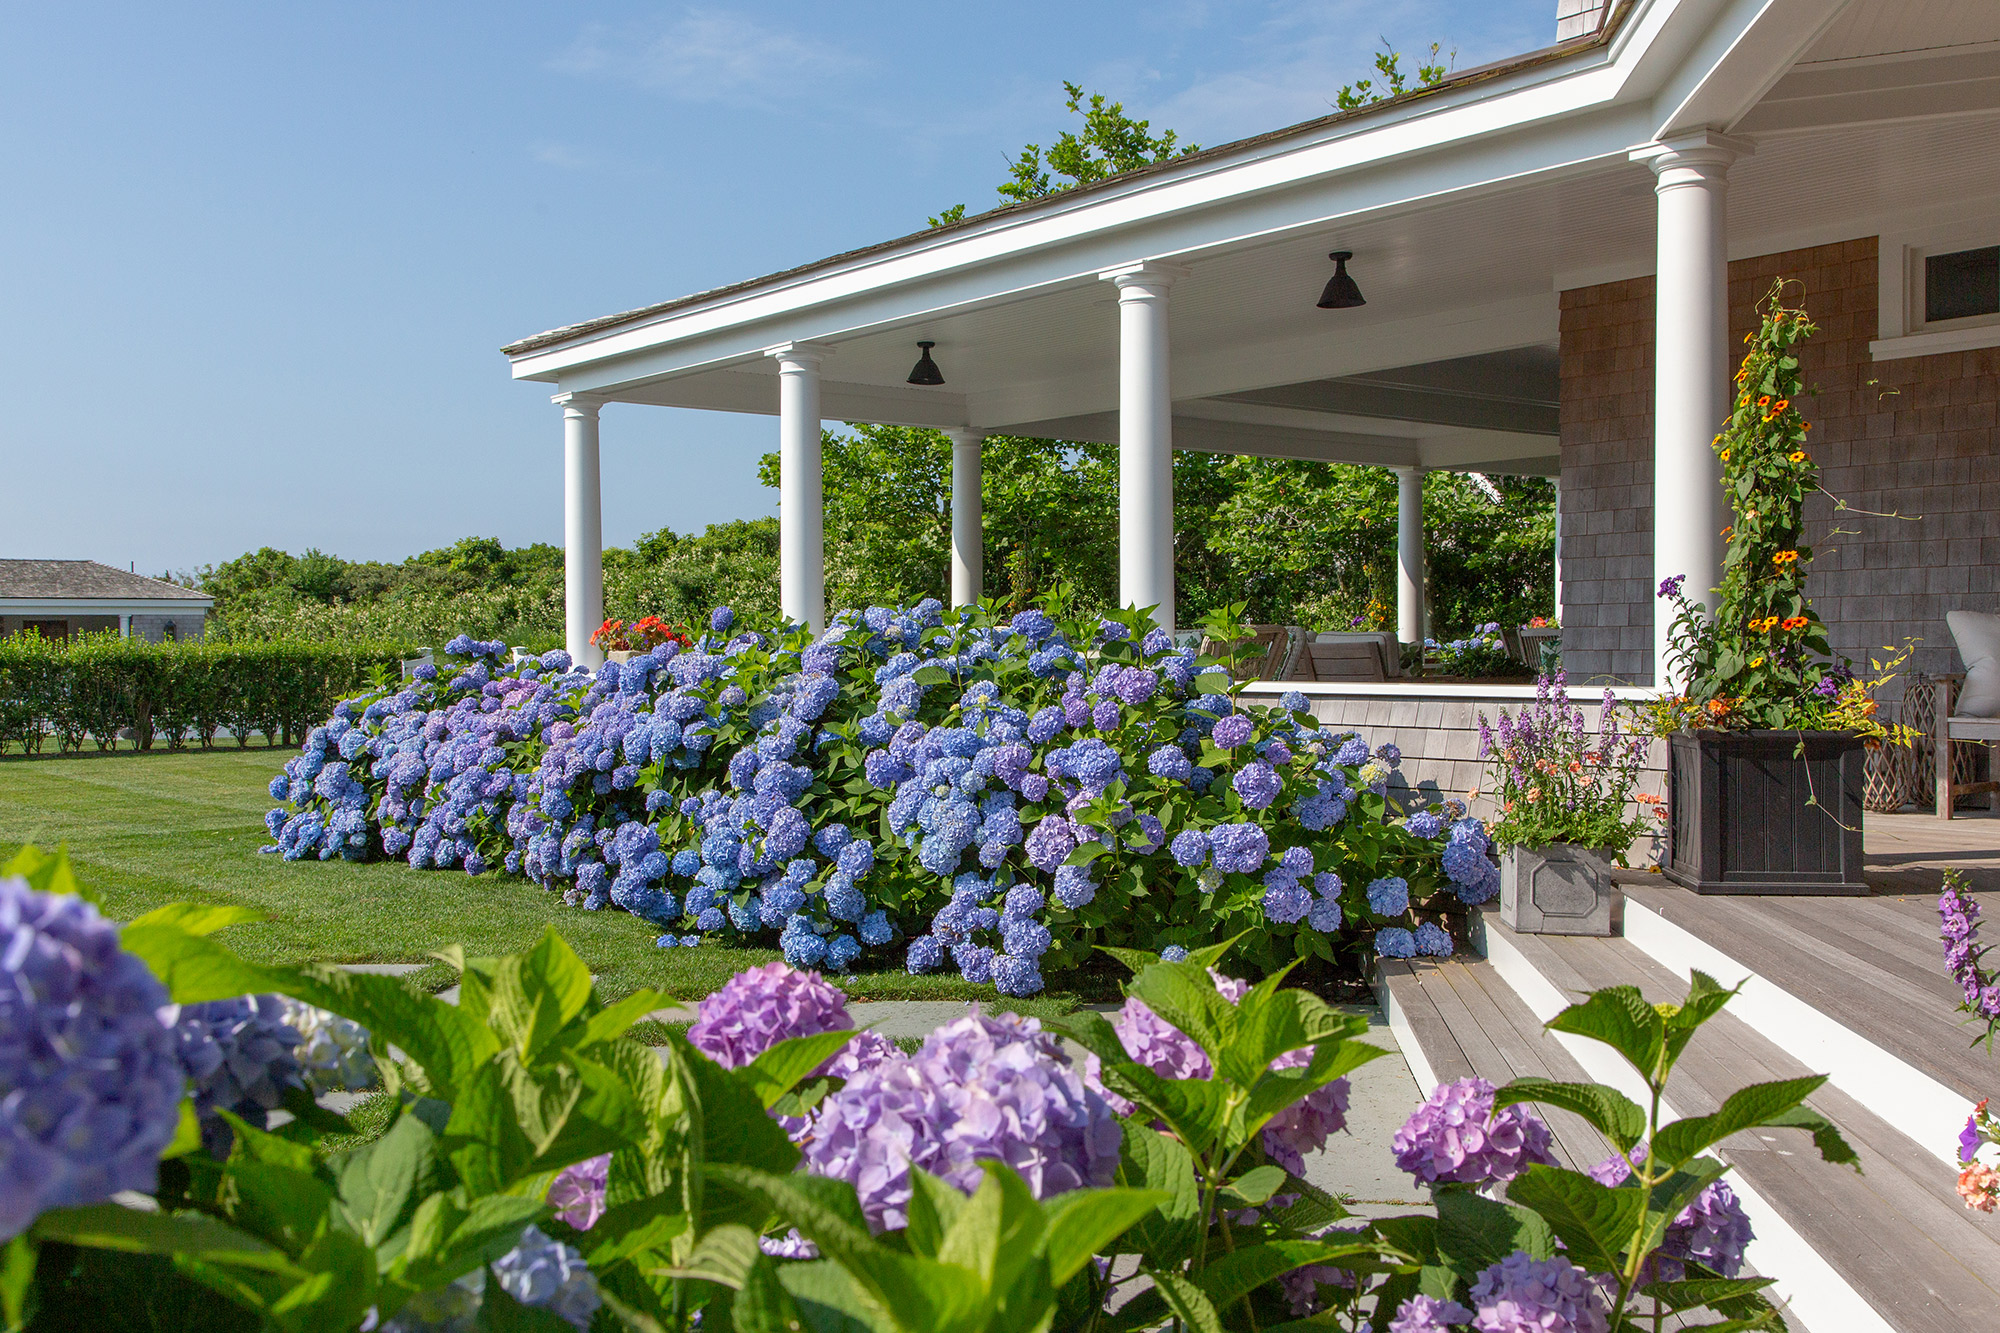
(926, 370)
(1341, 292)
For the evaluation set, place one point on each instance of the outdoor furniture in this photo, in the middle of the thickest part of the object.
(1270, 651)
(1347, 657)
(425, 657)
(1531, 643)
(1968, 708)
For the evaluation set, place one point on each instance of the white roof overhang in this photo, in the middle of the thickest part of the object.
(104, 606)
(1468, 210)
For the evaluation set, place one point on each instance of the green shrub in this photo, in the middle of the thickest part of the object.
(88, 689)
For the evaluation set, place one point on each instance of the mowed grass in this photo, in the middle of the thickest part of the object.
(145, 829)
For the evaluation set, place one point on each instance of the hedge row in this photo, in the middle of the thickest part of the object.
(92, 687)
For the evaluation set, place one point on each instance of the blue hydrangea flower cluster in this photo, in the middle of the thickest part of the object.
(92, 1079)
(240, 1057)
(998, 796)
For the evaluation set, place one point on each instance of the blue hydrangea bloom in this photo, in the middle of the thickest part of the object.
(1395, 942)
(1433, 941)
(1389, 896)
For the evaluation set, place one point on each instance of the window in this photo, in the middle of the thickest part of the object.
(1940, 287)
(1962, 284)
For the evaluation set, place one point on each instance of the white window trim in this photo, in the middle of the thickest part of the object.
(1900, 257)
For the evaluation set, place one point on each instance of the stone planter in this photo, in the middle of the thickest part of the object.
(1741, 822)
(619, 655)
(1559, 889)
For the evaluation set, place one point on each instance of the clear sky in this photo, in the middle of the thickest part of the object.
(257, 260)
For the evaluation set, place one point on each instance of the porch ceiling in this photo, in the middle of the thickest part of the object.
(1462, 281)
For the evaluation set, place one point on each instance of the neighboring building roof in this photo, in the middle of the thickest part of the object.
(1481, 74)
(86, 580)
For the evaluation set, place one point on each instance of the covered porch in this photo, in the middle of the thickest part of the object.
(1552, 253)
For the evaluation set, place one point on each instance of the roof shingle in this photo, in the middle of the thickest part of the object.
(85, 579)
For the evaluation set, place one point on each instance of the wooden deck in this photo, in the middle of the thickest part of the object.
(1854, 987)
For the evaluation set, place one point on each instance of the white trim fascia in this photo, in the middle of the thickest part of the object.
(1808, 1285)
(1740, 58)
(103, 606)
(1412, 1050)
(1411, 689)
(1930, 344)
(1923, 1109)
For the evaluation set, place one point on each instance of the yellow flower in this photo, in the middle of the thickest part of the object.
(1799, 456)
(1725, 455)
(1756, 661)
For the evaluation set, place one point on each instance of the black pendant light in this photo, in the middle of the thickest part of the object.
(926, 370)
(1341, 292)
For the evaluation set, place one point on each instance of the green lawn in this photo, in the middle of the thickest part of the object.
(153, 828)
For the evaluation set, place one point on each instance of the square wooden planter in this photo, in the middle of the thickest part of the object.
(1740, 818)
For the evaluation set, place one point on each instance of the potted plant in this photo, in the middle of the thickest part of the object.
(622, 642)
(1568, 810)
(1767, 737)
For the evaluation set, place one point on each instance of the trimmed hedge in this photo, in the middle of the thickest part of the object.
(91, 687)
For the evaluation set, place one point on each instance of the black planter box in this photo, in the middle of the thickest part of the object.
(1741, 822)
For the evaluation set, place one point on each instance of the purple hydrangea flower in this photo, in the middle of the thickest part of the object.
(1257, 783)
(92, 1077)
(1423, 1314)
(983, 1088)
(1239, 848)
(1433, 940)
(1713, 1230)
(1389, 896)
(720, 619)
(763, 1006)
(1232, 731)
(239, 1058)
(1522, 1294)
(1457, 1137)
(577, 1193)
(1286, 900)
(1189, 848)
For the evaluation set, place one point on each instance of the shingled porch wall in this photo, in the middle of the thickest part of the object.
(1917, 436)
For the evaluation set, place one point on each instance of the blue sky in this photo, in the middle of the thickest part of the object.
(257, 260)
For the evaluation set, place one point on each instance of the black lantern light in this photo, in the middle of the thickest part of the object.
(1341, 292)
(926, 370)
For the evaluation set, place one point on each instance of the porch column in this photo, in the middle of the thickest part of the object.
(1412, 616)
(1145, 441)
(124, 626)
(801, 507)
(1557, 601)
(583, 530)
(1691, 369)
(968, 523)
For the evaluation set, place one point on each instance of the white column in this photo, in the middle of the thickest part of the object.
(583, 530)
(1691, 357)
(1145, 441)
(1558, 599)
(968, 523)
(124, 626)
(1412, 616)
(801, 507)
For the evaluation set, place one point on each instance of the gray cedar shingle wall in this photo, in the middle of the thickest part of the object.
(1918, 436)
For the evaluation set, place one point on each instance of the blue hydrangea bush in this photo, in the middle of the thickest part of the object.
(997, 797)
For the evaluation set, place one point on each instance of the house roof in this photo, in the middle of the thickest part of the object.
(1479, 74)
(86, 580)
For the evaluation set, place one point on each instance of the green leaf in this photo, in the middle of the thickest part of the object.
(934, 1206)
(1614, 1114)
(501, 1313)
(1694, 1293)
(17, 1281)
(1188, 1302)
(1255, 1187)
(1082, 1222)
(1231, 1277)
(735, 1127)
(48, 872)
(1474, 1232)
(1619, 1017)
(200, 918)
(110, 1226)
(613, 1020)
(778, 1070)
(723, 1256)
(381, 1183)
(1185, 995)
(1595, 1222)
(828, 1299)
(1777, 1103)
(1151, 1160)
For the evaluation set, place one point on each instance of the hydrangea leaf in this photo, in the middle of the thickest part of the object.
(932, 1209)
(1474, 1232)
(1151, 1160)
(499, 1312)
(1694, 1293)
(1617, 1116)
(447, 1240)
(778, 1070)
(200, 918)
(1619, 1017)
(111, 1226)
(1185, 996)
(48, 872)
(1188, 1302)
(613, 1020)
(996, 1233)
(1081, 1223)
(735, 1128)
(1254, 1187)
(1777, 1104)
(825, 1299)
(1231, 1277)
(1596, 1222)
(381, 1183)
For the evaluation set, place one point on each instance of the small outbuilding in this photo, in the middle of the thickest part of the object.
(61, 599)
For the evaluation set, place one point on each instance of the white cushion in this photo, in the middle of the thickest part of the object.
(1978, 636)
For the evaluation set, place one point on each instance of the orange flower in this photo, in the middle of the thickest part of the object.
(1979, 1186)
(1731, 528)
(1764, 400)
(1576, 765)
(1780, 405)
(1795, 622)
(1785, 557)
(1718, 707)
